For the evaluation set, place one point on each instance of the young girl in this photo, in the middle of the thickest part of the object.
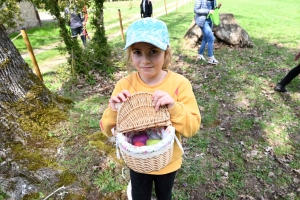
(148, 50)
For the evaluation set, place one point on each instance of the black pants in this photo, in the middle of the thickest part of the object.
(290, 76)
(142, 185)
(146, 15)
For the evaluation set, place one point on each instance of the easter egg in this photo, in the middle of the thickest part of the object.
(152, 142)
(140, 138)
(139, 144)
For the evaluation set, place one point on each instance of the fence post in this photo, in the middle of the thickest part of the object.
(31, 54)
(166, 7)
(121, 25)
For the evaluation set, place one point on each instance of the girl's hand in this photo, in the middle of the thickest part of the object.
(119, 98)
(161, 98)
(211, 12)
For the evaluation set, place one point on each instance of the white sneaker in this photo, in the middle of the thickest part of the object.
(212, 60)
(200, 57)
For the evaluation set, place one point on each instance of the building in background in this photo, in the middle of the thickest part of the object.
(30, 17)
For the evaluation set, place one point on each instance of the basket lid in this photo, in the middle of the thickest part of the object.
(138, 113)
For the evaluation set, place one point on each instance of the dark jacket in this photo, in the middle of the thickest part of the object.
(74, 16)
(147, 12)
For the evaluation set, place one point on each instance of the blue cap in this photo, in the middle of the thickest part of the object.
(148, 30)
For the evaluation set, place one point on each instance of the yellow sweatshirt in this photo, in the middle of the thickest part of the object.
(185, 115)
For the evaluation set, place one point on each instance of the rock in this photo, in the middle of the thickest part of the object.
(17, 187)
(228, 32)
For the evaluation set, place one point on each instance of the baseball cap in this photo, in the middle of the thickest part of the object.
(150, 30)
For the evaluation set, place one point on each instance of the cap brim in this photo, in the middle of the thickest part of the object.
(148, 39)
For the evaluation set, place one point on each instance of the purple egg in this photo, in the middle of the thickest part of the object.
(140, 138)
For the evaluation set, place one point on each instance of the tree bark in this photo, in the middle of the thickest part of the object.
(27, 111)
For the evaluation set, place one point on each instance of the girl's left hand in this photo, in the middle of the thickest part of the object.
(161, 98)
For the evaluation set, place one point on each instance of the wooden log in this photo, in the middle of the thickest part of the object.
(228, 32)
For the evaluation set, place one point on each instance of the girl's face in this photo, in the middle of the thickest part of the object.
(148, 60)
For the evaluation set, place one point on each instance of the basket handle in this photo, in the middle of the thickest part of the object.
(114, 133)
(179, 143)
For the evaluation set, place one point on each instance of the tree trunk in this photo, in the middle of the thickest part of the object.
(228, 32)
(27, 110)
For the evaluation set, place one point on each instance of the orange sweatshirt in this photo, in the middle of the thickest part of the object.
(185, 115)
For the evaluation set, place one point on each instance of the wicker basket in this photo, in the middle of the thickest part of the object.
(136, 114)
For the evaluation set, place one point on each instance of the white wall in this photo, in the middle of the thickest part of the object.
(29, 15)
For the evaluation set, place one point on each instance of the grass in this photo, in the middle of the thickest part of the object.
(128, 10)
(44, 56)
(248, 146)
(39, 36)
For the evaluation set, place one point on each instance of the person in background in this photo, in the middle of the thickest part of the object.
(280, 87)
(148, 50)
(75, 22)
(86, 17)
(146, 8)
(202, 8)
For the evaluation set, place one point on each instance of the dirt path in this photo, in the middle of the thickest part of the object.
(53, 63)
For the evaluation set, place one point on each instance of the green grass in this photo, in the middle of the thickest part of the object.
(39, 36)
(128, 10)
(44, 56)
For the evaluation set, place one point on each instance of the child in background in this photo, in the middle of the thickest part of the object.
(86, 17)
(148, 50)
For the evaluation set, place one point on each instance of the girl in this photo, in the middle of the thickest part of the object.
(148, 50)
(202, 9)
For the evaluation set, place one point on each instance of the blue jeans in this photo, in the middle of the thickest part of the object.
(208, 38)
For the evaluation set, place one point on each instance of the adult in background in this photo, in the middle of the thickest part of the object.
(75, 18)
(202, 8)
(280, 87)
(146, 8)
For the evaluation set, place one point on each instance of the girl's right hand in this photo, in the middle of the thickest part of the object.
(118, 99)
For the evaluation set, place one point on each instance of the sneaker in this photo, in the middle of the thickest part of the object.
(212, 60)
(200, 57)
(280, 88)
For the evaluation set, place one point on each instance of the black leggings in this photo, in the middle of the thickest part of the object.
(142, 185)
(290, 76)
